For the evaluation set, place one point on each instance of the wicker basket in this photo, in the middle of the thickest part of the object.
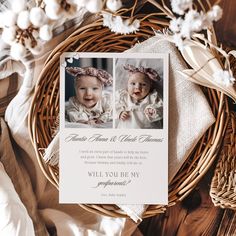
(223, 185)
(45, 108)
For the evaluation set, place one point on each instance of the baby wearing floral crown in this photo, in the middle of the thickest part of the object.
(91, 104)
(139, 105)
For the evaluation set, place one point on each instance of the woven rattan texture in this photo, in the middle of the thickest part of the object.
(223, 185)
(45, 109)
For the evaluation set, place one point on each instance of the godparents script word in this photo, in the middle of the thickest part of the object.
(115, 174)
(115, 138)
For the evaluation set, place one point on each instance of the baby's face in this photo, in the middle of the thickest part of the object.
(138, 86)
(88, 91)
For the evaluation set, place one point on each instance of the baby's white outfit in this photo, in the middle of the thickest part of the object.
(76, 112)
(139, 115)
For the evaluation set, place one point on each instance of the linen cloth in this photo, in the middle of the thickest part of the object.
(14, 217)
(8, 89)
(17, 173)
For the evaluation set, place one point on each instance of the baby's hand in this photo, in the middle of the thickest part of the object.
(150, 112)
(95, 121)
(92, 122)
(124, 115)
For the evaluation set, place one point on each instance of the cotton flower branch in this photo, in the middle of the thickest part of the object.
(191, 21)
(24, 29)
(55, 9)
(223, 77)
(119, 25)
(201, 53)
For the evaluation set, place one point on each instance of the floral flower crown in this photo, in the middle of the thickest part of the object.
(102, 75)
(149, 72)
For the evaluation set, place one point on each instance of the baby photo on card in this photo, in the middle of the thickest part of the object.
(139, 86)
(88, 93)
(113, 128)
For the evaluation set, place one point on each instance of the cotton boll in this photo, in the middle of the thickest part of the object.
(35, 34)
(80, 3)
(114, 5)
(176, 24)
(9, 18)
(8, 35)
(193, 22)
(223, 77)
(49, 2)
(23, 20)
(94, 6)
(179, 42)
(18, 5)
(53, 11)
(180, 6)
(45, 32)
(18, 51)
(215, 13)
(37, 16)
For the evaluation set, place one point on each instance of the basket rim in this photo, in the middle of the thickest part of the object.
(184, 188)
(222, 189)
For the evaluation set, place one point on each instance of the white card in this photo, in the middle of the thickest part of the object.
(114, 128)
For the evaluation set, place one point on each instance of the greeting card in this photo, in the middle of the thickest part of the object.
(114, 128)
